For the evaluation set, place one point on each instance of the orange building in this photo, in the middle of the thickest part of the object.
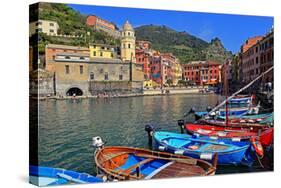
(202, 72)
(99, 24)
(249, 43)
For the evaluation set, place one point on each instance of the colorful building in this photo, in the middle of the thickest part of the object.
(99, 24)
(77, 71)
(202, 72)
(103, 51)
(257, 59)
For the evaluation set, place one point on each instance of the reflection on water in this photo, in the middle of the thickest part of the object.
(66, 127)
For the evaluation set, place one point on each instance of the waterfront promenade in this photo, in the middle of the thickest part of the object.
(146, 92)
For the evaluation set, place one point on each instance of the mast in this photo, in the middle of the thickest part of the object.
(226, 92)
(240, 90)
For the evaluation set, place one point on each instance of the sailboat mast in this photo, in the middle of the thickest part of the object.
(226, 92)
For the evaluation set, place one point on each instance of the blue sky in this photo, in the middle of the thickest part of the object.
(233, 30)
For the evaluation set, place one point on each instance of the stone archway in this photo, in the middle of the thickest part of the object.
(74, 91)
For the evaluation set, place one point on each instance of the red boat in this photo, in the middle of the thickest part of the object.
(263, 134)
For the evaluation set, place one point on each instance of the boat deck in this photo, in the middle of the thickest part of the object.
(179, 170)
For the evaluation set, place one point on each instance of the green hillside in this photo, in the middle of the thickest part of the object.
(70, 22)
(183, 45)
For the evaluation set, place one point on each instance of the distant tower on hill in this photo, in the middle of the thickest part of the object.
(128, 43)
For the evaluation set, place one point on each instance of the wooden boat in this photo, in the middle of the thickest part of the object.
(45, 176)
(125, 163)
(263, 133)
(229, 152)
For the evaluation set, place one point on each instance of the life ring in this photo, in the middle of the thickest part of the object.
(257, 147)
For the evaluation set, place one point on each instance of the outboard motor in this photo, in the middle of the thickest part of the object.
(149, 129)
(209, 109)
(97, 142)
(181, 125)
(191, 111)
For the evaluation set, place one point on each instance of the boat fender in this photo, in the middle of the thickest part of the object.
(237, 139)
(257, 147)
(161, 148)
(206, 156)
(179, 152)
(97, 142)
(214, 137)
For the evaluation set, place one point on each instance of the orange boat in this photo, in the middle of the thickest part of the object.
(125, 163)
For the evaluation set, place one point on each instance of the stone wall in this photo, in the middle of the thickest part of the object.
(110, 87)
(41, 83)
(113, 70)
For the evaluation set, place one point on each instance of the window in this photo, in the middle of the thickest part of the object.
(111, 54)
(66, 69)
(257, 60)
(51, 30)
(38, 23)
(67, 57)
(101, 54)
(81, 69)
(129, 45)
(129, 33)
(52, 24)
(124, 46)
(82, 58)
(257, 71)
(92, 76)
(106, 76)
(257, 49)
(94, 53)
(54, 57)
(94, 46)
(121, 77)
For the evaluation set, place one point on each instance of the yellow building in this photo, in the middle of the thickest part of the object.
(177, 73)
(102, 51)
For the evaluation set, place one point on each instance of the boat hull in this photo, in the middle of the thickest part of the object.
(46, 176)
(263, 133)
(239, 154)
(125, 163)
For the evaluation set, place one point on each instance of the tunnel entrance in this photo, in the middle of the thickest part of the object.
(74, 91)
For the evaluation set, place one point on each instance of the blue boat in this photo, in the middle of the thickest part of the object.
(239, 111)
(266, 118)
(241, 100)
(230, 152)
(45, 176)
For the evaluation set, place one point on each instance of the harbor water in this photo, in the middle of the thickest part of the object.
(66, 127)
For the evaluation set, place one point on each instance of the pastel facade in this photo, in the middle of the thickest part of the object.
(103, 51)
(257, 59)
(45, 26)
(128, 43)
(202, 72)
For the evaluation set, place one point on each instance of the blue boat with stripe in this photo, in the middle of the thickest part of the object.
(46, 176)
(230, 152)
